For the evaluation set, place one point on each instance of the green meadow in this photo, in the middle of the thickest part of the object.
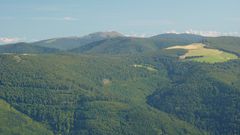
(197, 52)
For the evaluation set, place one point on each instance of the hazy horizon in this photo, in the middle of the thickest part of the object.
(36, 20)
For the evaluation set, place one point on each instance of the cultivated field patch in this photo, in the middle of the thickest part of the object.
(198, 52)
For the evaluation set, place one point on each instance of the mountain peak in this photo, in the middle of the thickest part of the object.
(110, 34)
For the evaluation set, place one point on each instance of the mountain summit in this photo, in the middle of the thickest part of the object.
(67, 43)
(111, 34)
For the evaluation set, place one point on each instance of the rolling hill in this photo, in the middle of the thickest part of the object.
(25, 48)
(68, 93)
(121, 85)
(170, 39)
(68, 43)
(230, 44)
(116, 43)
(121, 45)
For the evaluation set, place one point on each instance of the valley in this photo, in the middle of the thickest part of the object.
(120, 85)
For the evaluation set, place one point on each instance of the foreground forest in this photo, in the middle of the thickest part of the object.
(119, 86)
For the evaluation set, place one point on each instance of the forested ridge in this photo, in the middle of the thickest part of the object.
(104, 91)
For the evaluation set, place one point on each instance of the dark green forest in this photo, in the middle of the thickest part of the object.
(119, 86)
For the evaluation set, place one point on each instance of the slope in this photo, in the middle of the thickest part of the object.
(199, 96)
(68, 43)
(231, 44)
(121, 45)
(200, 53)
(25, 48)
(170, 39)
(14, 122)
(68, 93)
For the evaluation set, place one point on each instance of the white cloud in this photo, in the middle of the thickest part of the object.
(138, 35)
(206, 33)
(172, 31)
(66, 18)
(7, 40)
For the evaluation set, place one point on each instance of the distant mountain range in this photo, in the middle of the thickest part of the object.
(116, 43)
(68, 43)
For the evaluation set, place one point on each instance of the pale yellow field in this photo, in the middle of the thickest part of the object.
(188, 47)
(198, 52)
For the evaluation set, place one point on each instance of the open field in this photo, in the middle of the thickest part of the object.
(198, 52)
(148, 67)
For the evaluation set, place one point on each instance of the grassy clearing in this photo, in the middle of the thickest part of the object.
(148, 67)
(197, 52)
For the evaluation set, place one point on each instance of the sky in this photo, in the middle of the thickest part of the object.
(32, 20)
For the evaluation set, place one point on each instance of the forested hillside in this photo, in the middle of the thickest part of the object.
(68, 43)
(115, 43)
(120, 86)
(197, 97)
(88, 94)
(14, 122)
(25, 48)
(231, 44)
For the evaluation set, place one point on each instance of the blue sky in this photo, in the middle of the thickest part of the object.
(29, 20)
